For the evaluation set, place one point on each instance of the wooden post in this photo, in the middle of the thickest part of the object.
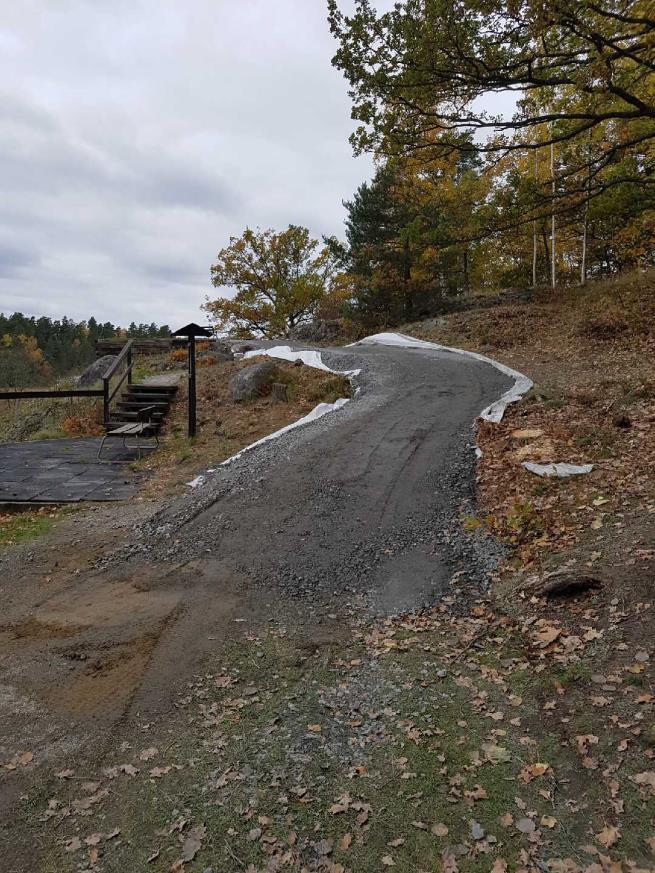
(105, 403)
(192, 386)
(191, 331)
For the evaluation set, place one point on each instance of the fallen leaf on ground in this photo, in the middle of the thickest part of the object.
(496, 754)
(645, 778)
(525, 826)
(448, 862)
(22, 759)
(147, 754)
(532, 771)
(546, 635)
(608, 836)
(192, 843)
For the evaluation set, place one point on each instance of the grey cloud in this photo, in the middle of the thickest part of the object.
(136, 138)
(41, 158)
(13, 260)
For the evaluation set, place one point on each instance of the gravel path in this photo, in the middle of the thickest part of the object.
(362, 501)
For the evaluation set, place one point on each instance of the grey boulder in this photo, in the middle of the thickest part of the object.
(221, 350)
(95, 371)
(252, 382)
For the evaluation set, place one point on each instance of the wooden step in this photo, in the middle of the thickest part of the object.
(152, 389)
(142, 397)
(138, 397)
(133, 414)
(160, 406)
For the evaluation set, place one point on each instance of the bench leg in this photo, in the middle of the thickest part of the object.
(102, 445)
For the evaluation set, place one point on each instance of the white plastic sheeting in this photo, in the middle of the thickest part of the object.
(496, 410)
(561, 471)
(307, 356)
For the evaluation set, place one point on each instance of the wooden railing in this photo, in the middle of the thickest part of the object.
(124, 359)
(107, 392)
(32, 394)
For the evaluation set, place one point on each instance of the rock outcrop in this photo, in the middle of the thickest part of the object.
(252, 382)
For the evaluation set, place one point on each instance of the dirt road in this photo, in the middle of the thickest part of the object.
(107, 617)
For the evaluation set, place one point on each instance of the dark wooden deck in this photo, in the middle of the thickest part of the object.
(65, 471)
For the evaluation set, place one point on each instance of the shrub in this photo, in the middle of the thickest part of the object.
(81, 425)
(206, 361)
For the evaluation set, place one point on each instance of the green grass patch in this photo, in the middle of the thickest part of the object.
(25, 526)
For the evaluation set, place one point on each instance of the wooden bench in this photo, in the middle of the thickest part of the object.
(138, 430)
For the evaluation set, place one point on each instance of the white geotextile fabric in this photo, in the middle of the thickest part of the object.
(307, 356)
(561, 471)
(496, 410)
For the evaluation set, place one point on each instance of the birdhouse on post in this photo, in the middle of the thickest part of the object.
(191, 331)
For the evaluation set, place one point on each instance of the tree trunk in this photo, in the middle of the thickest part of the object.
(466, 270)
(583, 259)
(534, 228)
(279, 392)
(553, 241)
(407, 275)
(544, 240)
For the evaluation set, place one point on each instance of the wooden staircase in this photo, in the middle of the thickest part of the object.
(156, 398)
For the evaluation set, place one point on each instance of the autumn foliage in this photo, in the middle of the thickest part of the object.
(279, 279)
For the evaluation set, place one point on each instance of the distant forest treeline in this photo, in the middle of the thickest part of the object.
(33, 351)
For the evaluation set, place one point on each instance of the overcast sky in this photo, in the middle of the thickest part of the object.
(136, 136)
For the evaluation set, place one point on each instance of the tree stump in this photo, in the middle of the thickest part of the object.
(279, 392)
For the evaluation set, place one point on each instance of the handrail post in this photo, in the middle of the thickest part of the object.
(105, 402)
(124, 356)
